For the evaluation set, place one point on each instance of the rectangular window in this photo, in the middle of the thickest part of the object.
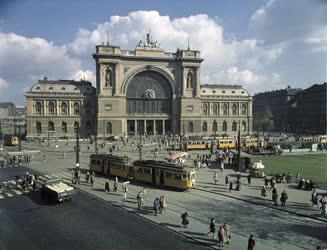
(189, 108)
(169, 175)
(147, 171)
(177, 176)
(107, 107)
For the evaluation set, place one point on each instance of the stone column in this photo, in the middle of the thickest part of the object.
(163, 127)
(145, 129)
(135, 127)
(154, 127)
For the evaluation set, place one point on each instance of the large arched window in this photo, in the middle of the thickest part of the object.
(76, 126)
(224, 127)
(38, 128)
(243, 126)
(109, 128)
(215, 109)
(76, 108)
(204, 126)
(51, 126)
(234, 126)
(64, 110)
(234, 109)
(190, 127)
(38, 108)
(214, 126)
(64, 127)
(51, 108)
(225, 109)
(243, 109)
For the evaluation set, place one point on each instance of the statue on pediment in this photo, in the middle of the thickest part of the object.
(149, 43)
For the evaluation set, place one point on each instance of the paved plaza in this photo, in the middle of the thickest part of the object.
(296, 226)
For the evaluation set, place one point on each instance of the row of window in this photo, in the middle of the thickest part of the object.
(63, 108)
(51, 127)
(224, 127)
(224, 109)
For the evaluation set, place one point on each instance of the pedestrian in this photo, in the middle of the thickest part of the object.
(185, 221)
(139, 199)
(230, 186)
(263, 191)
(64, 155)
(238, 185)
(283, 198)
(275, 197)
(156, 206)
(212, 228)
(87, 176)
(144, 193)
(215, 177)
(124, 189)
(107, 186)
(162, 203)
(251, 242)
(226, 180)
(323, 208)
(249, 179)
(227, 233)
(221, 236)
(73, 176)
(115, 184)
(92, 178)
(313, 198)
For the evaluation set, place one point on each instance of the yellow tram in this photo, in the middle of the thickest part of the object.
(226, 143)
(159, 173)
(197, 145)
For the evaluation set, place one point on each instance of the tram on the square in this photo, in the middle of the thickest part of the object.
(155, 172)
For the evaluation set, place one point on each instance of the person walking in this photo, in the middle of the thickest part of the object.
(92, 179)
(185, 221)
(226, 180)
(107, 186)
(323, 208)
(162, 203)
(212, 228)
(249, 179)
(230, 186)
(73, 176)
(144, 193)
(263, 191)
(156, 206)
(227, 233)
(124, 190)
(251, 242)
(139, 200)
(215, 177)
(275, 197)
(87, 176)
(313, 198)
(116, 184)
(283, 198)
(221, 236)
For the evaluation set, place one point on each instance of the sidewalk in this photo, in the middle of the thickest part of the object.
(299, 201)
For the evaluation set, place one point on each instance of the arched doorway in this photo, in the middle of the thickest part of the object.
(149, 98)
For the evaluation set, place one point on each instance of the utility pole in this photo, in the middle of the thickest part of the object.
(77, 145)
(19, 138)
(239, 147)
(140, 145)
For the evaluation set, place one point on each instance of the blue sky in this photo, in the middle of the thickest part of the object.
(261, 44)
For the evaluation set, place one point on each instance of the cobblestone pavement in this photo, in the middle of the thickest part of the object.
(273, 228)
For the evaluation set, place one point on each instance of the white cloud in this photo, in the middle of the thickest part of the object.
(3, 83)
(24, 60)
(84, 75)
(206, 35)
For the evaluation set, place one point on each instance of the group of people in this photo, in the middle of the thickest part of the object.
(26, 181)
(223, 233)
(107, 185)
(159, 205)
(306, 184)
(315, 199)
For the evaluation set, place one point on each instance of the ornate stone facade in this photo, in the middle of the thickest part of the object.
(155, 92)
(145, 91)
(57, 108)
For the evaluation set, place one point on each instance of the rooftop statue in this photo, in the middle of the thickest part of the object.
(149, 43)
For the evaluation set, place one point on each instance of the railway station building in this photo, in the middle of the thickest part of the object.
(148, 91)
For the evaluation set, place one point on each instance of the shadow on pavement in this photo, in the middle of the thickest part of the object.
(170, 225)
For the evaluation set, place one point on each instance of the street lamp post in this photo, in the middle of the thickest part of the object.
(77, 145)
(239, 147)
(19, 138)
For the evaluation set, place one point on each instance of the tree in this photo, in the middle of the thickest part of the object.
(263, 121)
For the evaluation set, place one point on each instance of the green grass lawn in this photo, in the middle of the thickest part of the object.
(312, 166)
